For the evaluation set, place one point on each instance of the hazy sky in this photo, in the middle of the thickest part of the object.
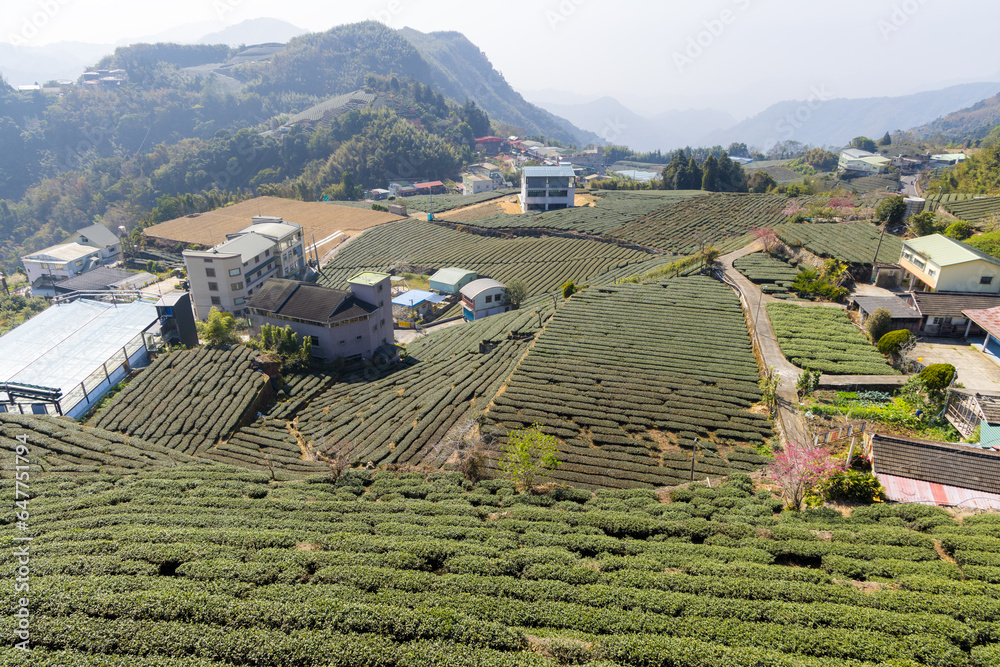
(737, 55)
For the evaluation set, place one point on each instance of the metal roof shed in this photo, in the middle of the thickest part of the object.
(416, 298)
(451, 280)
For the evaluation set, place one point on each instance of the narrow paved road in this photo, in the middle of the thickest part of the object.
(792, 425)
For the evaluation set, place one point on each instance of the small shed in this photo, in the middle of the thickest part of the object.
(418, 302)
(903, 315)
(451, 280)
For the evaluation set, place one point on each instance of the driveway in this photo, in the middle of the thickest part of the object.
(976, 371)
(908, 184)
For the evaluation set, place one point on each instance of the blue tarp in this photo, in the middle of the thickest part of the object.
(415, 297)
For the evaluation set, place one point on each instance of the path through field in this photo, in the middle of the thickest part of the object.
(792, 425)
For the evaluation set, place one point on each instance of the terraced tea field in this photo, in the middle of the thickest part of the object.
(543, 263)
(977, 209)
(404, 415)
(851, 242)
(220, 567)
(444, 203)
(718, 219)
(627, 401)
(824, 339)
(186, 400)
(773, 275)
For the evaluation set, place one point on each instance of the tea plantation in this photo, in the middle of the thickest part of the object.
(221, 566)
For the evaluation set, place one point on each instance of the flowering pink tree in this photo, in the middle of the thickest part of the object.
(793, 208)
(800, 468)
(768, 239)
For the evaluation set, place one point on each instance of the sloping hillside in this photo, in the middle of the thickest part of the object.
(971, 123)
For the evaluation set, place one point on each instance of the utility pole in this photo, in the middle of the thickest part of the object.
(694, 453)
(879, 246)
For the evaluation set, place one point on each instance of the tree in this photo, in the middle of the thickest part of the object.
(799, 469)
(515, 293)
(877, 324)
(886, 140)
(710, 174)
(863, 143)
(219, 329)
(284, 344)
(921, 224)
(710, 255)
(738, 150)
(569, 288)
(767, 238)
(959, 230)
(769, 388)
(528, 455)
(761, 181)
(891, 209)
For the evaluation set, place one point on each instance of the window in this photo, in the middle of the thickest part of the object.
(382, 323)
(208, 261)
(358, 338)
(314, 340)
(489, 298)
(234, 272)
(374, 328)
(986, 280)
(267, 253)
(380, 288)
(236, 287)
(213, 287)
(210, 273)
(381, 303)
(240, 301)
(216, 301)
(342, 342)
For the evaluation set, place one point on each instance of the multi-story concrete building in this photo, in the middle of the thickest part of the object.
(99, 236)
(227, 275)
(56, 263)
(547, 188)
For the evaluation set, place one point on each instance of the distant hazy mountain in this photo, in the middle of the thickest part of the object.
(973, 122)
(834, 122)
(617, 124)
(254, 31)
(459, 69)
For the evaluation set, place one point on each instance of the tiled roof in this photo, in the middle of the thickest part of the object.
(308, 301)
(987, 318)
(100, 278)
(951, 304)
(963, 466)
(990, 405)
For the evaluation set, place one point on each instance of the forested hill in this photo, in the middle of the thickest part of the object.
(339, 60)
(461, 70)
(969, 124)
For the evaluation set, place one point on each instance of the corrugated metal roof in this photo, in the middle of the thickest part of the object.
(988, 319)
(247, 246)
(895, 305)
(415, 297)
(951, 464)
(480, 285)
(98, 234)
(944, 251)
(451, 276)
(530, 172)
(64, 252)
(905, 490)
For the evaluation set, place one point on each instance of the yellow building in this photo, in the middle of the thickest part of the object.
(938, 263)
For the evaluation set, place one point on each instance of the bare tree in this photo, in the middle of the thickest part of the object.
(465, 447)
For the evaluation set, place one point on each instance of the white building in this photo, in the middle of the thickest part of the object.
(483, 297)
(59, 262)
(228, 275)
(474, 184)
(855, 159)
(547, 188)
(99, 236)
(340, 324)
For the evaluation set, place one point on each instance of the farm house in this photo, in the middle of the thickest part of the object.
(482, 298)
(451, 280)
(63, 360)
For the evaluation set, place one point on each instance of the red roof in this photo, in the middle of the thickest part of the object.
(484, 140)
(987, 318)
(429, 184)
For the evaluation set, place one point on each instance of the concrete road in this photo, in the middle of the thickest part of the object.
(976, 371)
(908, 186)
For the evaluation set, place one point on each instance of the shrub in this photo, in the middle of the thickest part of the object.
(877, 324)
(937, 376)
(890, 343)
(853, 486)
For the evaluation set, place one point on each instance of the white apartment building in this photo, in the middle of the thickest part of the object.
(547, 188)
(227, 275)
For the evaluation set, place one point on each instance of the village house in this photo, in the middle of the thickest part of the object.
(855, 159)
(352, 325)
(56, 263)
(99, 236)
(941, 264)
(483, 297)
(451, 280)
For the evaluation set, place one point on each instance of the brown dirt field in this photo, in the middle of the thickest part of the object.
(475, 212)
(319, 219)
